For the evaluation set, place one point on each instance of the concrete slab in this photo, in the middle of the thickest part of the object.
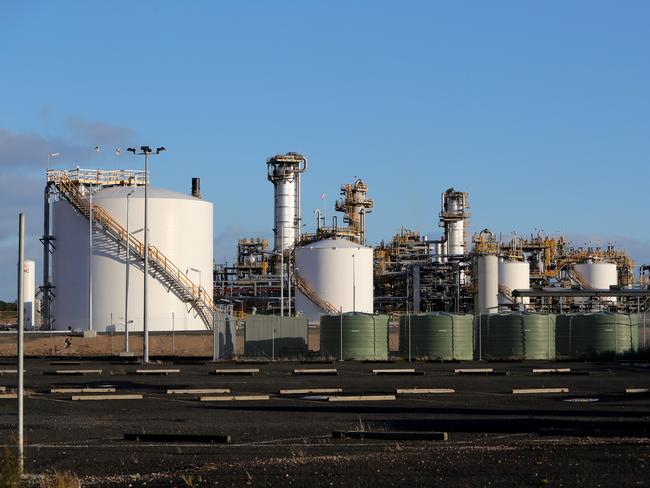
(82, 390)
(158, 371)
(321, 371)
(361, 398)
(423, 391)
(234, 398)
(237, 371)
(198, 391)
(105, 397)
(534, 391)
(310, 391)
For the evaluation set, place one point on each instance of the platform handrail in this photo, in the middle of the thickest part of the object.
(201, 300)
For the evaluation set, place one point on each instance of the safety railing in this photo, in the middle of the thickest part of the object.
(189, 292)
(310, 293)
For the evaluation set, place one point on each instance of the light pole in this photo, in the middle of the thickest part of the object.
(282, 271)
(354, 287)
(51, 156)
(90, 259)
(126, 274)
(145, 151)
(21, 336)
(196, 271)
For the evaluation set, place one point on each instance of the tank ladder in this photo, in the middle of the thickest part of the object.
(314, 297)
(167, 272)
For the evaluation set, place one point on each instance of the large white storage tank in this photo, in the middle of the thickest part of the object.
(513, 275)
(29, 292)
(599, 275)
(340, 272)
(180, 227)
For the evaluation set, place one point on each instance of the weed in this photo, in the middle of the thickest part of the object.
(60, 479)
(10, 475)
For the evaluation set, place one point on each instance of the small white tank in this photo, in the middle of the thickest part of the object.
(29, 292)
(513, 275)
(599, 275)
(487, 278)
(180, 226)
(340, 272)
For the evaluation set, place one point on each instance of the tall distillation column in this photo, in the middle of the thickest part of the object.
(355, 205)
(453, 218)
(284, 172)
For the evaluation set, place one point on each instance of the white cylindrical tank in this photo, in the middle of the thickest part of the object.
(29, 291)
(487, 275)
(513, 275)
(340, 272)
(180, 226)
(599, 275)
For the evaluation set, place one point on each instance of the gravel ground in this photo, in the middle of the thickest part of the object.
(495, 438)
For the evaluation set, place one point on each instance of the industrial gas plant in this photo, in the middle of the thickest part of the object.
(457, 296)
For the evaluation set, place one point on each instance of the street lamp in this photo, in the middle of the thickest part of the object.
(50, 156)
(145, 151)
(126, 275)
(196, 271)
(354, 287)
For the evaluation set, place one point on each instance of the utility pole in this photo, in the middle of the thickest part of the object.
(21, 336)
(146, 151)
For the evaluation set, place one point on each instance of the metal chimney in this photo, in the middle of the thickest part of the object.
(196, 188)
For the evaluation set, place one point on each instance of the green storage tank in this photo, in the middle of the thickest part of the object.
(518, 335)
(563, 336)
(437, 335)
(593, 335)
(365, 336)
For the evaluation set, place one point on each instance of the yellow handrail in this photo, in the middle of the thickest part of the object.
(101, 216)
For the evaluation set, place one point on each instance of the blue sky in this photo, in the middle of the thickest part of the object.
(541, 110)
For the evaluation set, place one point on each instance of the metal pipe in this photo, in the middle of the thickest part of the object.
(127, 266)
(214, 335)
(21, 336)
(354, 286)
(145, 319)
(90, 261)
(45, 321)
(289, 285)
(341, 326)
(282, 273)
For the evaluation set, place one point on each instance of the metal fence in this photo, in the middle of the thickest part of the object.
(274, 337)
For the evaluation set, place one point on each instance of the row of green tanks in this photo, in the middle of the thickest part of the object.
(437, 335)
(526, 335)
(354, 335)
(594, 335)
(499, 336)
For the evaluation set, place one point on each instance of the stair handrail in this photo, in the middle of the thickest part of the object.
(305, 288)
(101, 216)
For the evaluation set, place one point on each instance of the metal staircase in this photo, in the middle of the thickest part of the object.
(163, 269)
(507, 293)
(310, 293)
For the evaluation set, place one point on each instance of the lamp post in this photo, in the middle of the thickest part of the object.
(196, 271)
(90, 259)
(21, 337)
(51, 156)
(354, 287)
(126, 274)
(282, 272)
(145, 151)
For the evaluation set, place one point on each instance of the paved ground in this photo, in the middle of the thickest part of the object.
(494, 437)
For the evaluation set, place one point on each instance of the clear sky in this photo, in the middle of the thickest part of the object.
(540, 110)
